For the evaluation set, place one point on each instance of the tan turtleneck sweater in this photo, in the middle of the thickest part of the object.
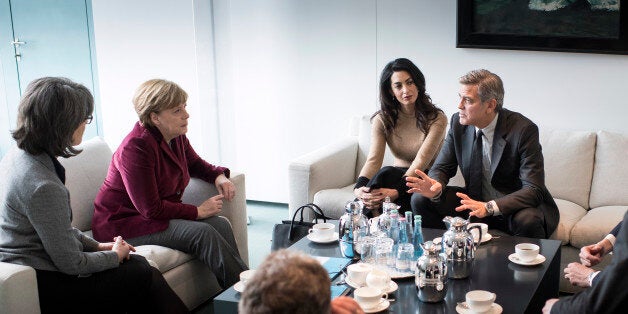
(411, 147)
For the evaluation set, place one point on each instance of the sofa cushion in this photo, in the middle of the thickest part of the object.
(164, 258)
(610, 175)
(596, 224)
(332, 201)
(569, 157)
(85, 173)
(570, 214)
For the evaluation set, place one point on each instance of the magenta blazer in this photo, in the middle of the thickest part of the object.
(144, 185)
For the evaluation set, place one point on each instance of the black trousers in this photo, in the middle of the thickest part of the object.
(133, 287)
(390, 177)
(526, 222)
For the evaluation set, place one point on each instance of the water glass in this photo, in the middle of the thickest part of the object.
(367, 249)
(384, 252)
(405, 257)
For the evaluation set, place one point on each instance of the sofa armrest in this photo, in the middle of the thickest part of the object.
(199, 191)
(18, 289)
(332, 166)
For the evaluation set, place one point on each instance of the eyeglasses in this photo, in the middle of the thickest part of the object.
(89, 119)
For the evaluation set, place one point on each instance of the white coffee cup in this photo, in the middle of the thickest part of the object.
(322, 231)
(527, 252)
(356, 273)
(378, 279)
(246, 276)
(480, 301)
(368, 297)
(475, 232)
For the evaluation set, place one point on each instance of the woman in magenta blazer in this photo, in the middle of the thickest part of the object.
(141, 196)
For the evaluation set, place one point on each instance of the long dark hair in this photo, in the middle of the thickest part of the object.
(424, 110)
(51, 109)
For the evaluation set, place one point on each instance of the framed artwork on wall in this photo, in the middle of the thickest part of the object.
(592, 26)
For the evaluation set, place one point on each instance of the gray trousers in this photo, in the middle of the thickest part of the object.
(210, 240)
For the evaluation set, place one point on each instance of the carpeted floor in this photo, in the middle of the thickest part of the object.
(263, 217)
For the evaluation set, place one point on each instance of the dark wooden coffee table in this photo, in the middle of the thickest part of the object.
(519, 289)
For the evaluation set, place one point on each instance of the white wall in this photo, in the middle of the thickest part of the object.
(290, 74)
(140, 40)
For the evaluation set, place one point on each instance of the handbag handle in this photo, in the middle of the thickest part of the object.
(317, 212)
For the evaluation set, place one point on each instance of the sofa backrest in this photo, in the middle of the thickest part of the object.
(84, 174)
(610, 175)
(569, 157)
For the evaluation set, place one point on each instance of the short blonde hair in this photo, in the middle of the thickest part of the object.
(156, 95)
(287, 282)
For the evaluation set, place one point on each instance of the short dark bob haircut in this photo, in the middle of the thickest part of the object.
(51, 110)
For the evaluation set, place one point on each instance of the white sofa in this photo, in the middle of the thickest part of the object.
(193, 282)
(585, 172)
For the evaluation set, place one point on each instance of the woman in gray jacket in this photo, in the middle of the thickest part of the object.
(75, 273)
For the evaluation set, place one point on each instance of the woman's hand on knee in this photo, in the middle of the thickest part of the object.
(385, 192)
(210, 207)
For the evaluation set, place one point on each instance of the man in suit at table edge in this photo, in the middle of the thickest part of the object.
(608, 293)
(499, 154)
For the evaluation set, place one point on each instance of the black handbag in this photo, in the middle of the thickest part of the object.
(290, 231)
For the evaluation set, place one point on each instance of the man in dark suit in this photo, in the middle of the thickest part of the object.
(580, 274)
(608, 294)
(499, 154)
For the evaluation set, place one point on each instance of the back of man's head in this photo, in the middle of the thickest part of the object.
(287, 282)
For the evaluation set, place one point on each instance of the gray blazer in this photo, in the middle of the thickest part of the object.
(516, 168)
(35, 220)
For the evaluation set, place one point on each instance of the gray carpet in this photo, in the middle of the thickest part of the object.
(263, 217)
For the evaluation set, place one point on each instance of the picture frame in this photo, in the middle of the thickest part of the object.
(513, 24)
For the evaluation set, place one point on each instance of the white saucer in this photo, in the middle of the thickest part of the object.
(538, 260)
(495, 309)
(485, 237)
(380, 307)
(392, 286)
(312, 238)
(239, 286)
(352, 284)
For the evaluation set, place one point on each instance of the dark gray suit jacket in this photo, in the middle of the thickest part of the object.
(608, 293)
(516, 164)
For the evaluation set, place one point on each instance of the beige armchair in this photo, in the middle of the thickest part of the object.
(327, 175)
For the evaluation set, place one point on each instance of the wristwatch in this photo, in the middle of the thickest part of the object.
(489, 208)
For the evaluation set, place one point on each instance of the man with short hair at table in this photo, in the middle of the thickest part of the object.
(608, 294)
(499, 154)
(292, 282)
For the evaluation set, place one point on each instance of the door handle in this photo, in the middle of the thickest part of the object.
(17, 42)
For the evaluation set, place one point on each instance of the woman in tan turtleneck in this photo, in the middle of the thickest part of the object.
(411, 125)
